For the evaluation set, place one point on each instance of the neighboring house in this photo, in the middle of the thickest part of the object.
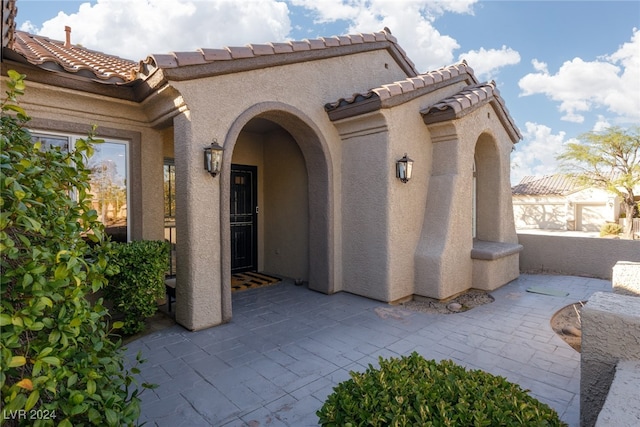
(558, 202)
(312, 132)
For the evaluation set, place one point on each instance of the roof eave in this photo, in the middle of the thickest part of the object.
(220, 67)
(368, 105)
(71, 81)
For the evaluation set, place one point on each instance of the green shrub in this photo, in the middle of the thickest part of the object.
(610, 229)
(412, 391)
(58, 360)
(137, 281)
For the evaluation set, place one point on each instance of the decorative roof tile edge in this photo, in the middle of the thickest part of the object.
(468, 100)
(402, 87)
(177, 59)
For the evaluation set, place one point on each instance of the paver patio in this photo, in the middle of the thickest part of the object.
(287, 347)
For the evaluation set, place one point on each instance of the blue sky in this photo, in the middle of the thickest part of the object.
(563, 68)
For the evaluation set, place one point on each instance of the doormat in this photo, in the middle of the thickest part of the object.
(251, 280)
(546, 291)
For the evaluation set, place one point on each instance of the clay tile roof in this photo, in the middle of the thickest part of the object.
(547, 185)
(300, 45)
(468, 100)
(282, 47)
(214, 55)
(262, 49)
(189, 58)
(9, 11)
(238, 52)
(344, 40)
(409, 85)
(153, 62)
(57, 56)
(331, 41)
(317, 44)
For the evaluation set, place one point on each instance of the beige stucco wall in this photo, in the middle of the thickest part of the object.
(416, 238)
(365, 206)
(68, 111)
(443, 260)
(626, 278)
(407, 201)
(577, 256)
(286, 208)
(610, 333)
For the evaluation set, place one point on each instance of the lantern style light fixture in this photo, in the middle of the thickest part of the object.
(404, 167)
(213, 158)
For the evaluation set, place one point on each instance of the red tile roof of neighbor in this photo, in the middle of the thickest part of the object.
(547, 185)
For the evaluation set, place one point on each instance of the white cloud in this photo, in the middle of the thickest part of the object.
(612, 82)
(134, 29)
(536, 153)
(601, 124)
(487, 62)
(540, 66)
(411, 22)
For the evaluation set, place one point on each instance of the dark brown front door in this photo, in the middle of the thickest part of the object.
(244, 218)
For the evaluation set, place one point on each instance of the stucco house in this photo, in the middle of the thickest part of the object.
(311, 134)
(558, 202)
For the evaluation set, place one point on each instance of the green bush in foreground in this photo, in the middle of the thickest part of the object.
(137, 281)
(59, 363)
(412, 391)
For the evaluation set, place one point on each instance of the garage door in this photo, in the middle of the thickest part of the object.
(590, 217)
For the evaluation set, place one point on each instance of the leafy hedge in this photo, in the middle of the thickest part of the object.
(137, 280)
(412, 391)
(59, 361)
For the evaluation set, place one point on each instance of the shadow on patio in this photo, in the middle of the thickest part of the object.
(287, 347)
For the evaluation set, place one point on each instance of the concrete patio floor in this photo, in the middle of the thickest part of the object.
(287, 347)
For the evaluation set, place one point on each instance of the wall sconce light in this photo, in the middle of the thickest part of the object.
(610, 203)
(404, 168)
(213, 158)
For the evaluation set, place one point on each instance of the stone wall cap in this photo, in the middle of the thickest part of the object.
(486, 250)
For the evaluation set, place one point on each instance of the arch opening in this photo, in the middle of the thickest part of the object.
(486, 183)
(294, 228)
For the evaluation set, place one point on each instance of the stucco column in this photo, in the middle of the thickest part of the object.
(198, 249)
(442, 260)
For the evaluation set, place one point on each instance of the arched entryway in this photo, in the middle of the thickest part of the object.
(269, 202)
(294, 189)
(486, 185)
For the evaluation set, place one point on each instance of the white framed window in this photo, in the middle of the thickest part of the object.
(109, 167)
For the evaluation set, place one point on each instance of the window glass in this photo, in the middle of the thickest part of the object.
(50, 141)
(109, 187)
(109, 184)
(170, 211)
